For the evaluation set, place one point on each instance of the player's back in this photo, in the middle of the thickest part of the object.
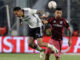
(32, 18)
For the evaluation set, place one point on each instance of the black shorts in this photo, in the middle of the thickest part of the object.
(35, 32)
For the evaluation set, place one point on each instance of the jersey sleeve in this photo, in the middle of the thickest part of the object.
(66, 24)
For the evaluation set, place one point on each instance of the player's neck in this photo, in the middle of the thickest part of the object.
(57, 18)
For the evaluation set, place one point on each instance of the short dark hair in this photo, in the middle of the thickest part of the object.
(16, 9)
(59, 9)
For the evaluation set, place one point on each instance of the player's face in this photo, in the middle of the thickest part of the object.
(58, 13)
(18, 13)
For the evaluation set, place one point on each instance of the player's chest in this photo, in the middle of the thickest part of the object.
(58, 23)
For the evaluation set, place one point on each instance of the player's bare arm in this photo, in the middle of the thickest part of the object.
(70, 34)
(40, 12)
(43, 16)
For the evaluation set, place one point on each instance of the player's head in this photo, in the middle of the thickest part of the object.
(58, 13)
(18, 11)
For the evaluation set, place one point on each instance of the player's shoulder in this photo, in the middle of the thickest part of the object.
(51, 18)
(26, 8)
(65, 20)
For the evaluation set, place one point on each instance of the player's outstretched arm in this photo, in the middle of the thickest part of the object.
(40, 12)
(70, 34)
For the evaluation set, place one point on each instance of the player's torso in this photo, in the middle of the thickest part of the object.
(57, 28)
(31, 20)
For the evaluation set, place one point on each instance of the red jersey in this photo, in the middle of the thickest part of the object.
(58, 27)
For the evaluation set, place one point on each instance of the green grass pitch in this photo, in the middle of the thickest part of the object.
(35, 57)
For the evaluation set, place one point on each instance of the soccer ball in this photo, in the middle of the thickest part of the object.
(52, 4)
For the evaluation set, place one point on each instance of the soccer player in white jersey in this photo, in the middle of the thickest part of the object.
(35, 24)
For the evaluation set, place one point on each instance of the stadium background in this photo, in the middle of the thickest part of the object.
(10, 30)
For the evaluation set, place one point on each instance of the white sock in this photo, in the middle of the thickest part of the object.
(38, 48)
(51, 46)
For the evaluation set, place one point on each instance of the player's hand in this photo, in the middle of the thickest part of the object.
(69, 43)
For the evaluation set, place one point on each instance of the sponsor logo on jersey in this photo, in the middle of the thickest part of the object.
(61, 22)
(54, 21)
(57, 25)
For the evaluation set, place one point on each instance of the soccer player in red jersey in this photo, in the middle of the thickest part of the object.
(57, 28)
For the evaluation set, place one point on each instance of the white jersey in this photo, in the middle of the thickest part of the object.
(31, 18)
